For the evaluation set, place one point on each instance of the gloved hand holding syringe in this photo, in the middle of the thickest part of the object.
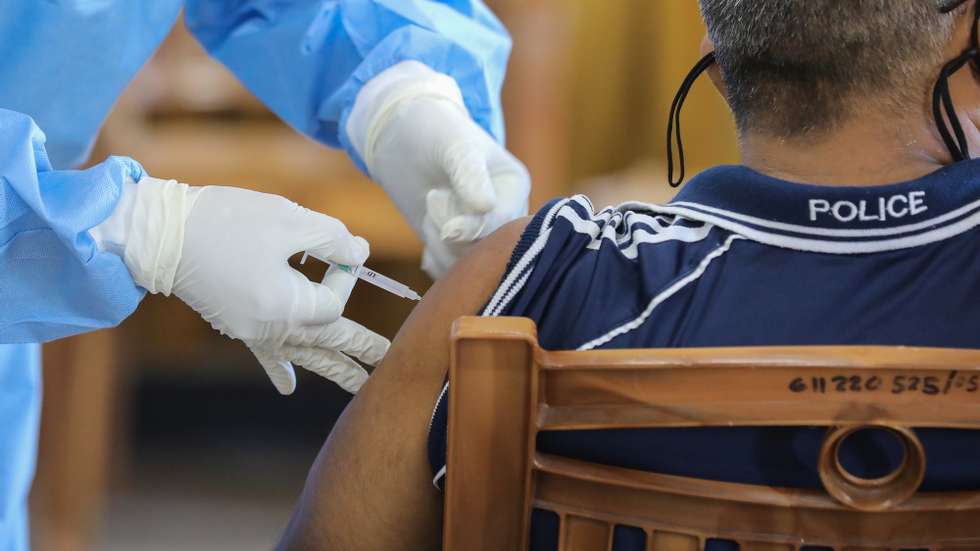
(372, 277)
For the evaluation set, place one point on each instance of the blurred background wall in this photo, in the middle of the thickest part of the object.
(160, 434)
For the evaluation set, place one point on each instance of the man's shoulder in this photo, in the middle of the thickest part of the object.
(608, 259)
(631, 231)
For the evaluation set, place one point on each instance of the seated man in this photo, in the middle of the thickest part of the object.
(848, 223)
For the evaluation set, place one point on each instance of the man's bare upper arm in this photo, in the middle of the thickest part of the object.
(370, 488)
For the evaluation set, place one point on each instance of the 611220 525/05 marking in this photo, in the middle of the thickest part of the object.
(926, 384)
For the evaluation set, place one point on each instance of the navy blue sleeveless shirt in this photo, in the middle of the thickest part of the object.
(740, 259)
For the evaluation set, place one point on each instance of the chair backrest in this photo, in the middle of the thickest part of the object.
(504, 389)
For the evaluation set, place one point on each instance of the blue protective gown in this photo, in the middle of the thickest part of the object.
(63, 63)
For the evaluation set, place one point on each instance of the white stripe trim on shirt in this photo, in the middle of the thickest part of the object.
(496, 304)
(823, 246)
(589, 225)
(826, 232)
(671, 233)
(439, 476)
(663, 295)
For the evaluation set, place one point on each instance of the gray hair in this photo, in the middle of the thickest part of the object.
(795, 68)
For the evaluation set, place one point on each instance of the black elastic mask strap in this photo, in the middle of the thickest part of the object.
(943, 109)
(674, 119)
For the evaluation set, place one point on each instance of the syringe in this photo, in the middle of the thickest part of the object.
(376, 279)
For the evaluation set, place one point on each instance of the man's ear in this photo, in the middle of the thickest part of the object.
(714, 72)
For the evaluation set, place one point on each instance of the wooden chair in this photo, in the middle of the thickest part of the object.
(505, 388)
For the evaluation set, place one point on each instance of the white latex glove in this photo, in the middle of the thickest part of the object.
(450, 179)
(224, 252)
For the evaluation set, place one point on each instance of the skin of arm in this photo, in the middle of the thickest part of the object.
(370, 487)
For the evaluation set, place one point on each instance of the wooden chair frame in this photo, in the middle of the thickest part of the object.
(504, 389)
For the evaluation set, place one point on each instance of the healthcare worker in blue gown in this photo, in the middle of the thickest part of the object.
(409, 88)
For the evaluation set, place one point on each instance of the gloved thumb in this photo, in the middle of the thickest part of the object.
(469, 177)
(328, 240)
(323, 303)
(439, 254)
(454, 223)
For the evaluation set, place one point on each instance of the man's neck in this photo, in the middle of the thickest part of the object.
(859, 154)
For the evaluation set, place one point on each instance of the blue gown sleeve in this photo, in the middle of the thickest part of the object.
(308, 60)
(54, 281)
(65, 62)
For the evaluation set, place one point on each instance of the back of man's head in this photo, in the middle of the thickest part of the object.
(797, 69)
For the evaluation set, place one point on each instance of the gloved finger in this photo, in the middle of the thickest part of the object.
(280, 372)
(344, 335)
(455, 223)
(329, 364)
(327, 239)
(316, 303)
(513, 190)
(469, 177)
